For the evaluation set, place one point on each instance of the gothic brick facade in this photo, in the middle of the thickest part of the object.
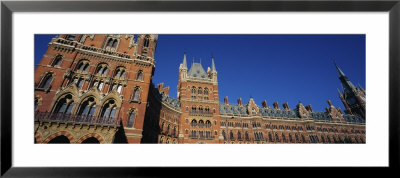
(98, 89)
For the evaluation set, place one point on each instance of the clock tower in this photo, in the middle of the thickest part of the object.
(353, 98)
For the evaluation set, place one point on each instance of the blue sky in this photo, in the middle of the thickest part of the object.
(283, 68)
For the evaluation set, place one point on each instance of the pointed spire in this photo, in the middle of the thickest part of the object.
(340, 93)
(184, 61)
(339, 70)
(213, 65)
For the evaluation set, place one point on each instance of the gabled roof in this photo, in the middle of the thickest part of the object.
(197, 71)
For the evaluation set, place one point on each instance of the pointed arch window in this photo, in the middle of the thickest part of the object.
(193, 90)
(109, 109)
(115, 43)
(239, 135)
(139, 75)
(231, 135)
(201, 123)
(193, 123)
(110, 42)
(57, 60)
(223, 134)
(64, 105)
(119, 88)
(246, 135)
(36, 103)
(146, 41)
(83, 65)
(101, 85)
(131, 118)
(46, 81)
(136, 94)
(200, 91)
(87, 107)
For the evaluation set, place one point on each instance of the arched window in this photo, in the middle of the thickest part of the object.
(246, 135)
(102, 69)
(79, 82)
(270, 137)
(36, 103)
(223, 134)
(277, 137)
(290, 138)
(208, 124)
(46, 81)
(115, 43)
(64, 105)
(57, 60)
(231, 135)
(283, 138)
(136, 94)
(139, 75)
(146, 41)
(119, 88)
(110, 42)
(205, 91)
(100, 86)
(120, 72)
(131, 118)
(168, 129)
(239, 135)
(109, 109)
(297, 137)
(174, 131)
(83, 65)
(193, 90)
(87, 107)
(201, 123)
(200, 91)
(193, 123)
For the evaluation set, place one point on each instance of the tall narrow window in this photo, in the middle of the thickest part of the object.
(88, 107)
(115, 43)
(64, 105)
(100, 86)
(136, 94)
(119, 89)
(131, 118)
(46, 81)
(146, 41)
(110, 42)
(36, 103)
(79, 83)
(57, 60)
(108, 109)
(139, 75)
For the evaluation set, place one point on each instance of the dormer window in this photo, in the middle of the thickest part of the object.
(70, 37)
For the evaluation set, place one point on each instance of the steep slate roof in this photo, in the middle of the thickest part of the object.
(353, 118)
(170, 101)
(197, 71)
(293, 113)
(166, 99)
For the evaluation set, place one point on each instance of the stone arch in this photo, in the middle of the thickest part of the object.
(95, 135)
(61, 133)
(70, 89)
(112, 95)
(38, 138)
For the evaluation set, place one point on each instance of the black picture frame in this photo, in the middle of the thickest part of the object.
(8, 7)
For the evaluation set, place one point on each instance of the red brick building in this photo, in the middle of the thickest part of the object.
(98, 89)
